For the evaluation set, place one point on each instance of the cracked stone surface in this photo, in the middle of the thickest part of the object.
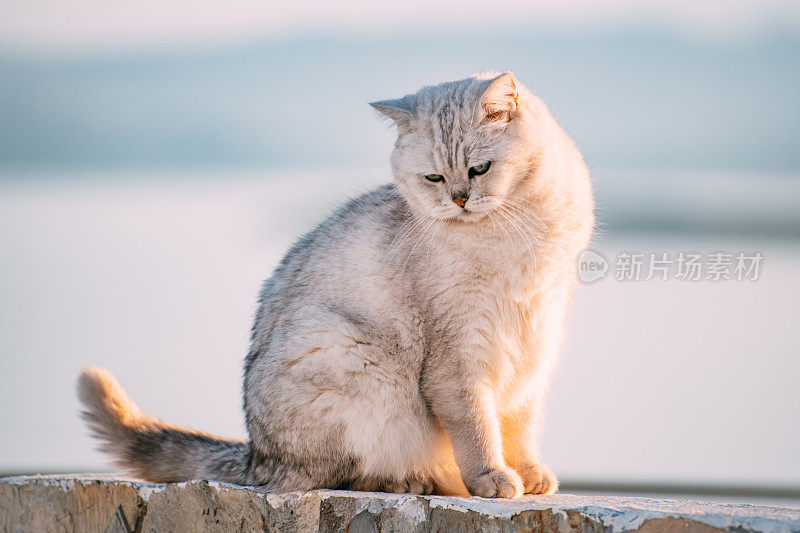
(108, 504)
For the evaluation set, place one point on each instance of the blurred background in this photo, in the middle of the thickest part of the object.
(156, 160)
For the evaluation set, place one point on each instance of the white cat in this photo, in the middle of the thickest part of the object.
(406, 343)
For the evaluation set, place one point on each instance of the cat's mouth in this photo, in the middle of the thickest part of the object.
(467, 215)
(464, 214)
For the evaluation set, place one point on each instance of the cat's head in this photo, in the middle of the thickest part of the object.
(462, 145)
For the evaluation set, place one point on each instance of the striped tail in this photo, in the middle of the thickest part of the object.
(149, 448)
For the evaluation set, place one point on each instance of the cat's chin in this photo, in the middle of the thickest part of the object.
(467, 216)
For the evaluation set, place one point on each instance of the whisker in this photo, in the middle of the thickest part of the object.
(419, 239)
(507, 216)
(530, 224)
(502, 227)
(511, 217)
(418, 232)
(513, 200)
(403, 227)
(532, 233)
(529, 214)
(430, 241)
(410, 228)
(524, 203)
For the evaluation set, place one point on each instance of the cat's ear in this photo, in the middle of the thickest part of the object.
(501, 99)
(401, 111)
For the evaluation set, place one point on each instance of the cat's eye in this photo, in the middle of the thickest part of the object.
(434, 177)
(477, 170)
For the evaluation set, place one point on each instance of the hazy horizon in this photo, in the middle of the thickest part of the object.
(635, 96)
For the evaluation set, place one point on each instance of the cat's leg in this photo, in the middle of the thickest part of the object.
(521, 450)
(325, 399)
(466, 410)
(440, 476)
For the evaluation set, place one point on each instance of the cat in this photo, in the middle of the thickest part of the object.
(405, 344)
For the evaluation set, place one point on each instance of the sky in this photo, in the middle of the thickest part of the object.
(52, 26)
(164, 85)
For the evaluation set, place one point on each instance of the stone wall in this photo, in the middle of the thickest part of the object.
(102, 503)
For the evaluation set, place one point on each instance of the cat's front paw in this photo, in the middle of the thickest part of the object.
(538, 479)
(497, 483)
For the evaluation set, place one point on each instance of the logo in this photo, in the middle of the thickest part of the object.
(591, 266)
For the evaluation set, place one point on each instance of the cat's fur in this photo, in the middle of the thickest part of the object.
(405, 344)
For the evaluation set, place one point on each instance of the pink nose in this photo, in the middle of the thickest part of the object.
(460, 201)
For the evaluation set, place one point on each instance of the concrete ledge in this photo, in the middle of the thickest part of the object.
(103, 503)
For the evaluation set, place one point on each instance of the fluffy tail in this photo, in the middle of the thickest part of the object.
(150, 448)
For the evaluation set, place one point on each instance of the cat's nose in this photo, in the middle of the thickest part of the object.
(460, 199)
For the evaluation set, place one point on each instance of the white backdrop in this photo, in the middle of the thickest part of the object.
(158, 280)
